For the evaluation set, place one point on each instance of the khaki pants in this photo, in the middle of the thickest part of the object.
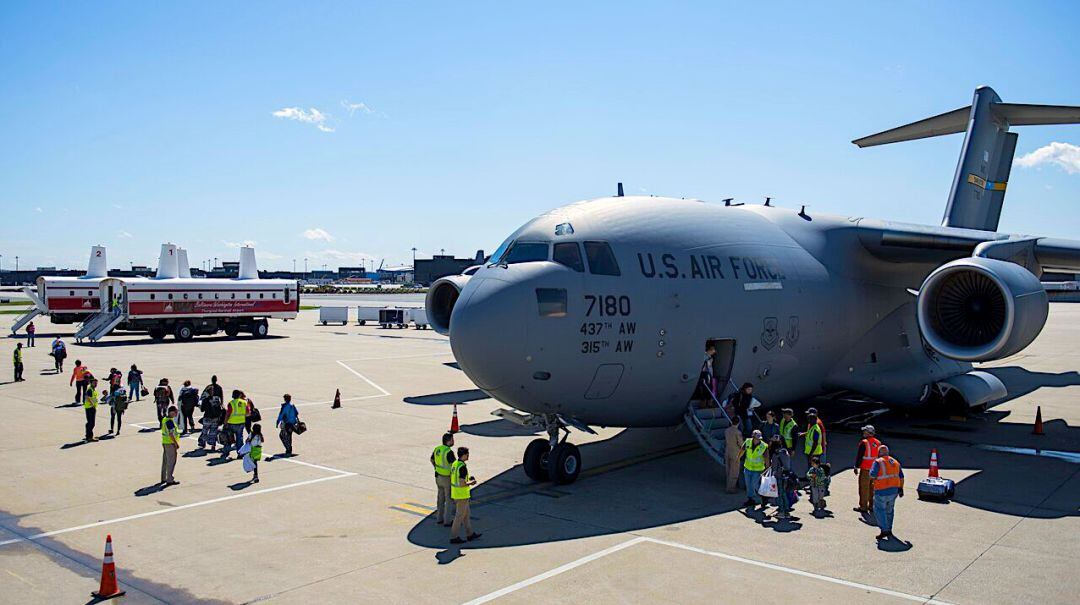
(444, 506)
(461, 518)
(733, 466)
(866, 491)
(168, 461)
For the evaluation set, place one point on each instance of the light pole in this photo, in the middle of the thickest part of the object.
(16, 264)
(294, 265)
(305, 268)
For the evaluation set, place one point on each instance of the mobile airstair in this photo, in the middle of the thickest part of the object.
(708, 425)
(32, 313)
(98, 325)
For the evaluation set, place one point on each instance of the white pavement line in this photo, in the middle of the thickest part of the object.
(607, 551)
(364, 378)
(318, 466)
(554, 572)
(162, 511)
(799, 572)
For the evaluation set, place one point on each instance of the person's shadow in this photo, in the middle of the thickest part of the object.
(68, 446)
(149, 489)
(894, 544)
(448, 556)
(241, 485)
(67, 405)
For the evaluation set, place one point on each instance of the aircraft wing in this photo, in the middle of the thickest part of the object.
(902, 242)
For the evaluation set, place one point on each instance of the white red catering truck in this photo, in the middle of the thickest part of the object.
(175, 303)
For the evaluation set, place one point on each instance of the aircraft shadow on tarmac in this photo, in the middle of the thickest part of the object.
(448, 398)
(498, 428)
(668, 480)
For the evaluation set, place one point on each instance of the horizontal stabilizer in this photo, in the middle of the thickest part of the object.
(950, 122)
(1019, 114)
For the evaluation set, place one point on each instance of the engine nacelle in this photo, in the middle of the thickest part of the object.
(980, 309)
(440, 301)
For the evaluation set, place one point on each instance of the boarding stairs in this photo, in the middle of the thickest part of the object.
(32, 313)
(708, 425)
(98, 325)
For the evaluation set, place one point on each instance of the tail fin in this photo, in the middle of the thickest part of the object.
(978, 188)
(97, 267)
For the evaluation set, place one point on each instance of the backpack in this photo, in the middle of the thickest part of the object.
(161, 395)
(120, 400)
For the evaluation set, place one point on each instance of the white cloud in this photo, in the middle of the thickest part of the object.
(311, 116)
(267, 255)
(1063, 155)
(248, 243)
(317, 233)
(38, 210)
(352, 108)
(339, 256)
(124, 234)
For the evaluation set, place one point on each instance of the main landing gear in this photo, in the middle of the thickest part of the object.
(552, 459)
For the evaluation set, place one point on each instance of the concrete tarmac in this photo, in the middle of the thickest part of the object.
(349, 518)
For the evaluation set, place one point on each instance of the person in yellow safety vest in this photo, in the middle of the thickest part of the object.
(90, 403)
(813, 446)
(235, 419)
(461, 483)
(824, 437)
(864, 459)
(170, 447)
(787, 428)
(888, 480)
(16, 359)
(442, 459)
(753, 465)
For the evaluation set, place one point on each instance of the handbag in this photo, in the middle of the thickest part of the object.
(300, 428)
(768, 486)
(255, 415)
(144, 392)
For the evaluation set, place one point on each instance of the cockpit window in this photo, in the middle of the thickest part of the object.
(568, 253)
(526, 252)
(601, 259)
(551, 302)
(496, 257)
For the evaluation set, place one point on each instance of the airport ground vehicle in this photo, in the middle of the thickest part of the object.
(333, 315)
(177, 304)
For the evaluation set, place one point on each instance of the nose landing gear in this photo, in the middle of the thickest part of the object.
(551, 459)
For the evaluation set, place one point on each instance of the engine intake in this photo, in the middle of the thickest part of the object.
(440, 301)
(980, 309)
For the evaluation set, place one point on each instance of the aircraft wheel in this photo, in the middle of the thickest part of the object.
(157, 333)
(260, 329)
(535, 460)
(184, 332)
(565, 463)
(231, 330)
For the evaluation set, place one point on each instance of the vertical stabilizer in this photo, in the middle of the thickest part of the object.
(167, 267)
(978, 188)
(97, 266)
(248, 268)
(182, 267)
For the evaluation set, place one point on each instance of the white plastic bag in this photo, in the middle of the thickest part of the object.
(768, 486)
(249, 464)
(244, 449)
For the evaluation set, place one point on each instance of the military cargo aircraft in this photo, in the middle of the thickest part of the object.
(599, 312)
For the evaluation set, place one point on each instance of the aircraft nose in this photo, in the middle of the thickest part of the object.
(488, 333)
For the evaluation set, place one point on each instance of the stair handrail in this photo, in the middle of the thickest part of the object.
(719, 405)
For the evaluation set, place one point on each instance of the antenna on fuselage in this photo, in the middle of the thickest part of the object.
(620, 193)
(728, 200)
(767, 200)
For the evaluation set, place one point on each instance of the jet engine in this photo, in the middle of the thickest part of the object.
(980, 309)
(440, 301)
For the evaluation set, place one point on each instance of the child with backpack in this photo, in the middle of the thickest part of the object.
(819, 477)
(254, 447)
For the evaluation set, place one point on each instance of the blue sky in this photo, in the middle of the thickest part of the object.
(130, 124)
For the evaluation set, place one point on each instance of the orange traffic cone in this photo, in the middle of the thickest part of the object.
(337, 400)
(454, 428)
(1038, 422)
(109, 588)
(933, 464)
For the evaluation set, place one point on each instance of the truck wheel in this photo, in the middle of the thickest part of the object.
(184, 332)
(231, 330)
(324, 323)
(363, 322)
(260, 329)
(157, 333)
